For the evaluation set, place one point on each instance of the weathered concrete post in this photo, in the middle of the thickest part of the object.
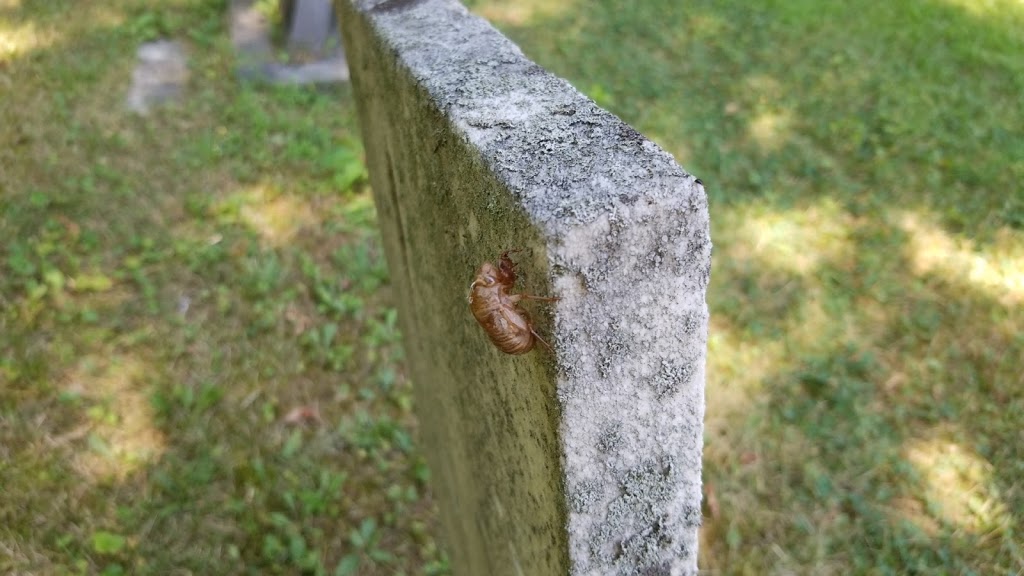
(588, 460)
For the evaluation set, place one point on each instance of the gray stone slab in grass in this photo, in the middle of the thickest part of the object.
(586, 461)
(312, 25)
(160, 75)
(257, 61)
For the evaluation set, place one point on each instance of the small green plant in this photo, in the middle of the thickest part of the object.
(344, 166)
(264, 274)
(149, 25)
(334, 298)
(288, 545)
(324, 347)
(107, 542)
(365, 541)
(363, 262)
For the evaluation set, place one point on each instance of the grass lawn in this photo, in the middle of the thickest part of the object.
(199, 367)
(865, 167)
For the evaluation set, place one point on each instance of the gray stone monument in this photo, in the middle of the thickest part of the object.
(312, 26)
(585, 460)
(314, 55)
(160, 75)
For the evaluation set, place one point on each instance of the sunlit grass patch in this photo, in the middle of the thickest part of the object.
(276, 217)
(959, 487)
(119, 434)
(522, 12)
(798, 239)
(998, 270)
(990, 8)
(19, 39)
(769, 130)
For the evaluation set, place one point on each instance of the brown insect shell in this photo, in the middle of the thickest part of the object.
(506, 324)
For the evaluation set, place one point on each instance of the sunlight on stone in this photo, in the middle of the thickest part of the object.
(276, 217)
(520, 12)
(958, 487)
(997, 270)
(797, 240)
(121, 435)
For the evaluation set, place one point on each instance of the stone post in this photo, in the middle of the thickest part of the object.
(582, 461)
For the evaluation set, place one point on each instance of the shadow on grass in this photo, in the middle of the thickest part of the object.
(864, 395)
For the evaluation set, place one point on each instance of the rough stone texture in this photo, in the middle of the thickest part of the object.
(160, 75)
(587, 461)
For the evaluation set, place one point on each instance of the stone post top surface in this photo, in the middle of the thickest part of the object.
(569, 160)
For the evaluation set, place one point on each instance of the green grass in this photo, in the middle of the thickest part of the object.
(200, 370)
(864, 163)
